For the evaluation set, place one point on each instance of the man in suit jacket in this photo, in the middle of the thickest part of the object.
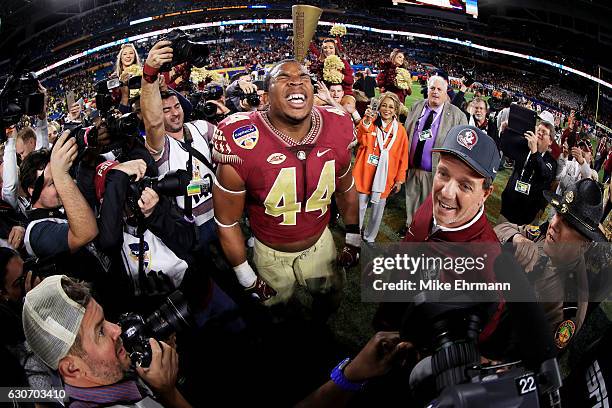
(427, 124)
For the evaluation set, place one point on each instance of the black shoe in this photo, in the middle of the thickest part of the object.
(402, 232)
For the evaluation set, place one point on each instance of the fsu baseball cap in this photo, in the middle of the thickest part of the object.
(474, 147)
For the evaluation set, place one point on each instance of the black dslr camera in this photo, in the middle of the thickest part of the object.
(185, 50)
(40, 268)
(19, 96)
(118, 127)
(252, 99)
(203, 108)
(172, 184)
(172, 316)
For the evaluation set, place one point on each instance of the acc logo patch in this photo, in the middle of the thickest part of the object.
(564, 333)
(467, 138)
(276, 158)
(246, 136)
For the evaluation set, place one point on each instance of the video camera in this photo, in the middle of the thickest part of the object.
(19, 96)
(172, 316)
(185, 50)
(454, 377)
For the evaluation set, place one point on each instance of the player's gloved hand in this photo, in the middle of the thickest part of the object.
(253, 284)
(260, 290)
(349, 255)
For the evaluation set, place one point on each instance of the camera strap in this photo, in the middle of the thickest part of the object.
(142, 277)
(187, 145)
(187, 199)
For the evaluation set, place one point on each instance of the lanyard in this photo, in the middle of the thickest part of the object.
(385, 136)
(525, 165)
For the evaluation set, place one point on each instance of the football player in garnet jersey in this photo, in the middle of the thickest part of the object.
(283, 165)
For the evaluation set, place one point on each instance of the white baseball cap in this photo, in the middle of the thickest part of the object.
(546, 116)
(51, 320)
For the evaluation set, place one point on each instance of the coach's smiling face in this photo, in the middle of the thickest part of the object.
(457, 192)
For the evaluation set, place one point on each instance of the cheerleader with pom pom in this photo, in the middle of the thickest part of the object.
(338, 70)
(395, 77)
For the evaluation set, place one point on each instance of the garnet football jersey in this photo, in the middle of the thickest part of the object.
(289, 185)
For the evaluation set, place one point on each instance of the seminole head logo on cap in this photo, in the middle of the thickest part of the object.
(467, 138)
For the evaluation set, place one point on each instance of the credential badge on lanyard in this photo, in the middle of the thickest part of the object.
(524, 187)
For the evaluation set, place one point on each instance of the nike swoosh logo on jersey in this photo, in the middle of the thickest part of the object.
(321, 153)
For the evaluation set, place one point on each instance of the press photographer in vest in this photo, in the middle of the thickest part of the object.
(176, 145)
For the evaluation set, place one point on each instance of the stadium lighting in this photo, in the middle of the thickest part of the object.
(406, 34)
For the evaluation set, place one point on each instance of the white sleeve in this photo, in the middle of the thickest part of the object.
(9, 173)
(585, 170)
(561, 164)
(42, 134)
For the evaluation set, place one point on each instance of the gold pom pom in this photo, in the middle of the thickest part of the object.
(332, 76)
(403, 78)
(337, 30)
(201, 75)
(133, 70)
(333, 62)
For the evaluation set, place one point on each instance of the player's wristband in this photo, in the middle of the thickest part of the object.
(337, 376)
(149, 73)
(353, 240)
(245, 274)
(352, 228)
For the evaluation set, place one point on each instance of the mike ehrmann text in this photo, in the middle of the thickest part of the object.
(436, 285)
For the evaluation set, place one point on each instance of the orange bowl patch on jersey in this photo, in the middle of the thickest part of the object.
(246, 136)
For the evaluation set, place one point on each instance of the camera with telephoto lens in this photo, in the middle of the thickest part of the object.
(185, 50)
(20, 96)
(171, 184)
(204, 109)
(171, 317)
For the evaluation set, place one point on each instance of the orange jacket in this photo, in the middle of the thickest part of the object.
(364, 172)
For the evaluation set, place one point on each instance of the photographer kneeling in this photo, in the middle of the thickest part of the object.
(67, 329)
(150, 244)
